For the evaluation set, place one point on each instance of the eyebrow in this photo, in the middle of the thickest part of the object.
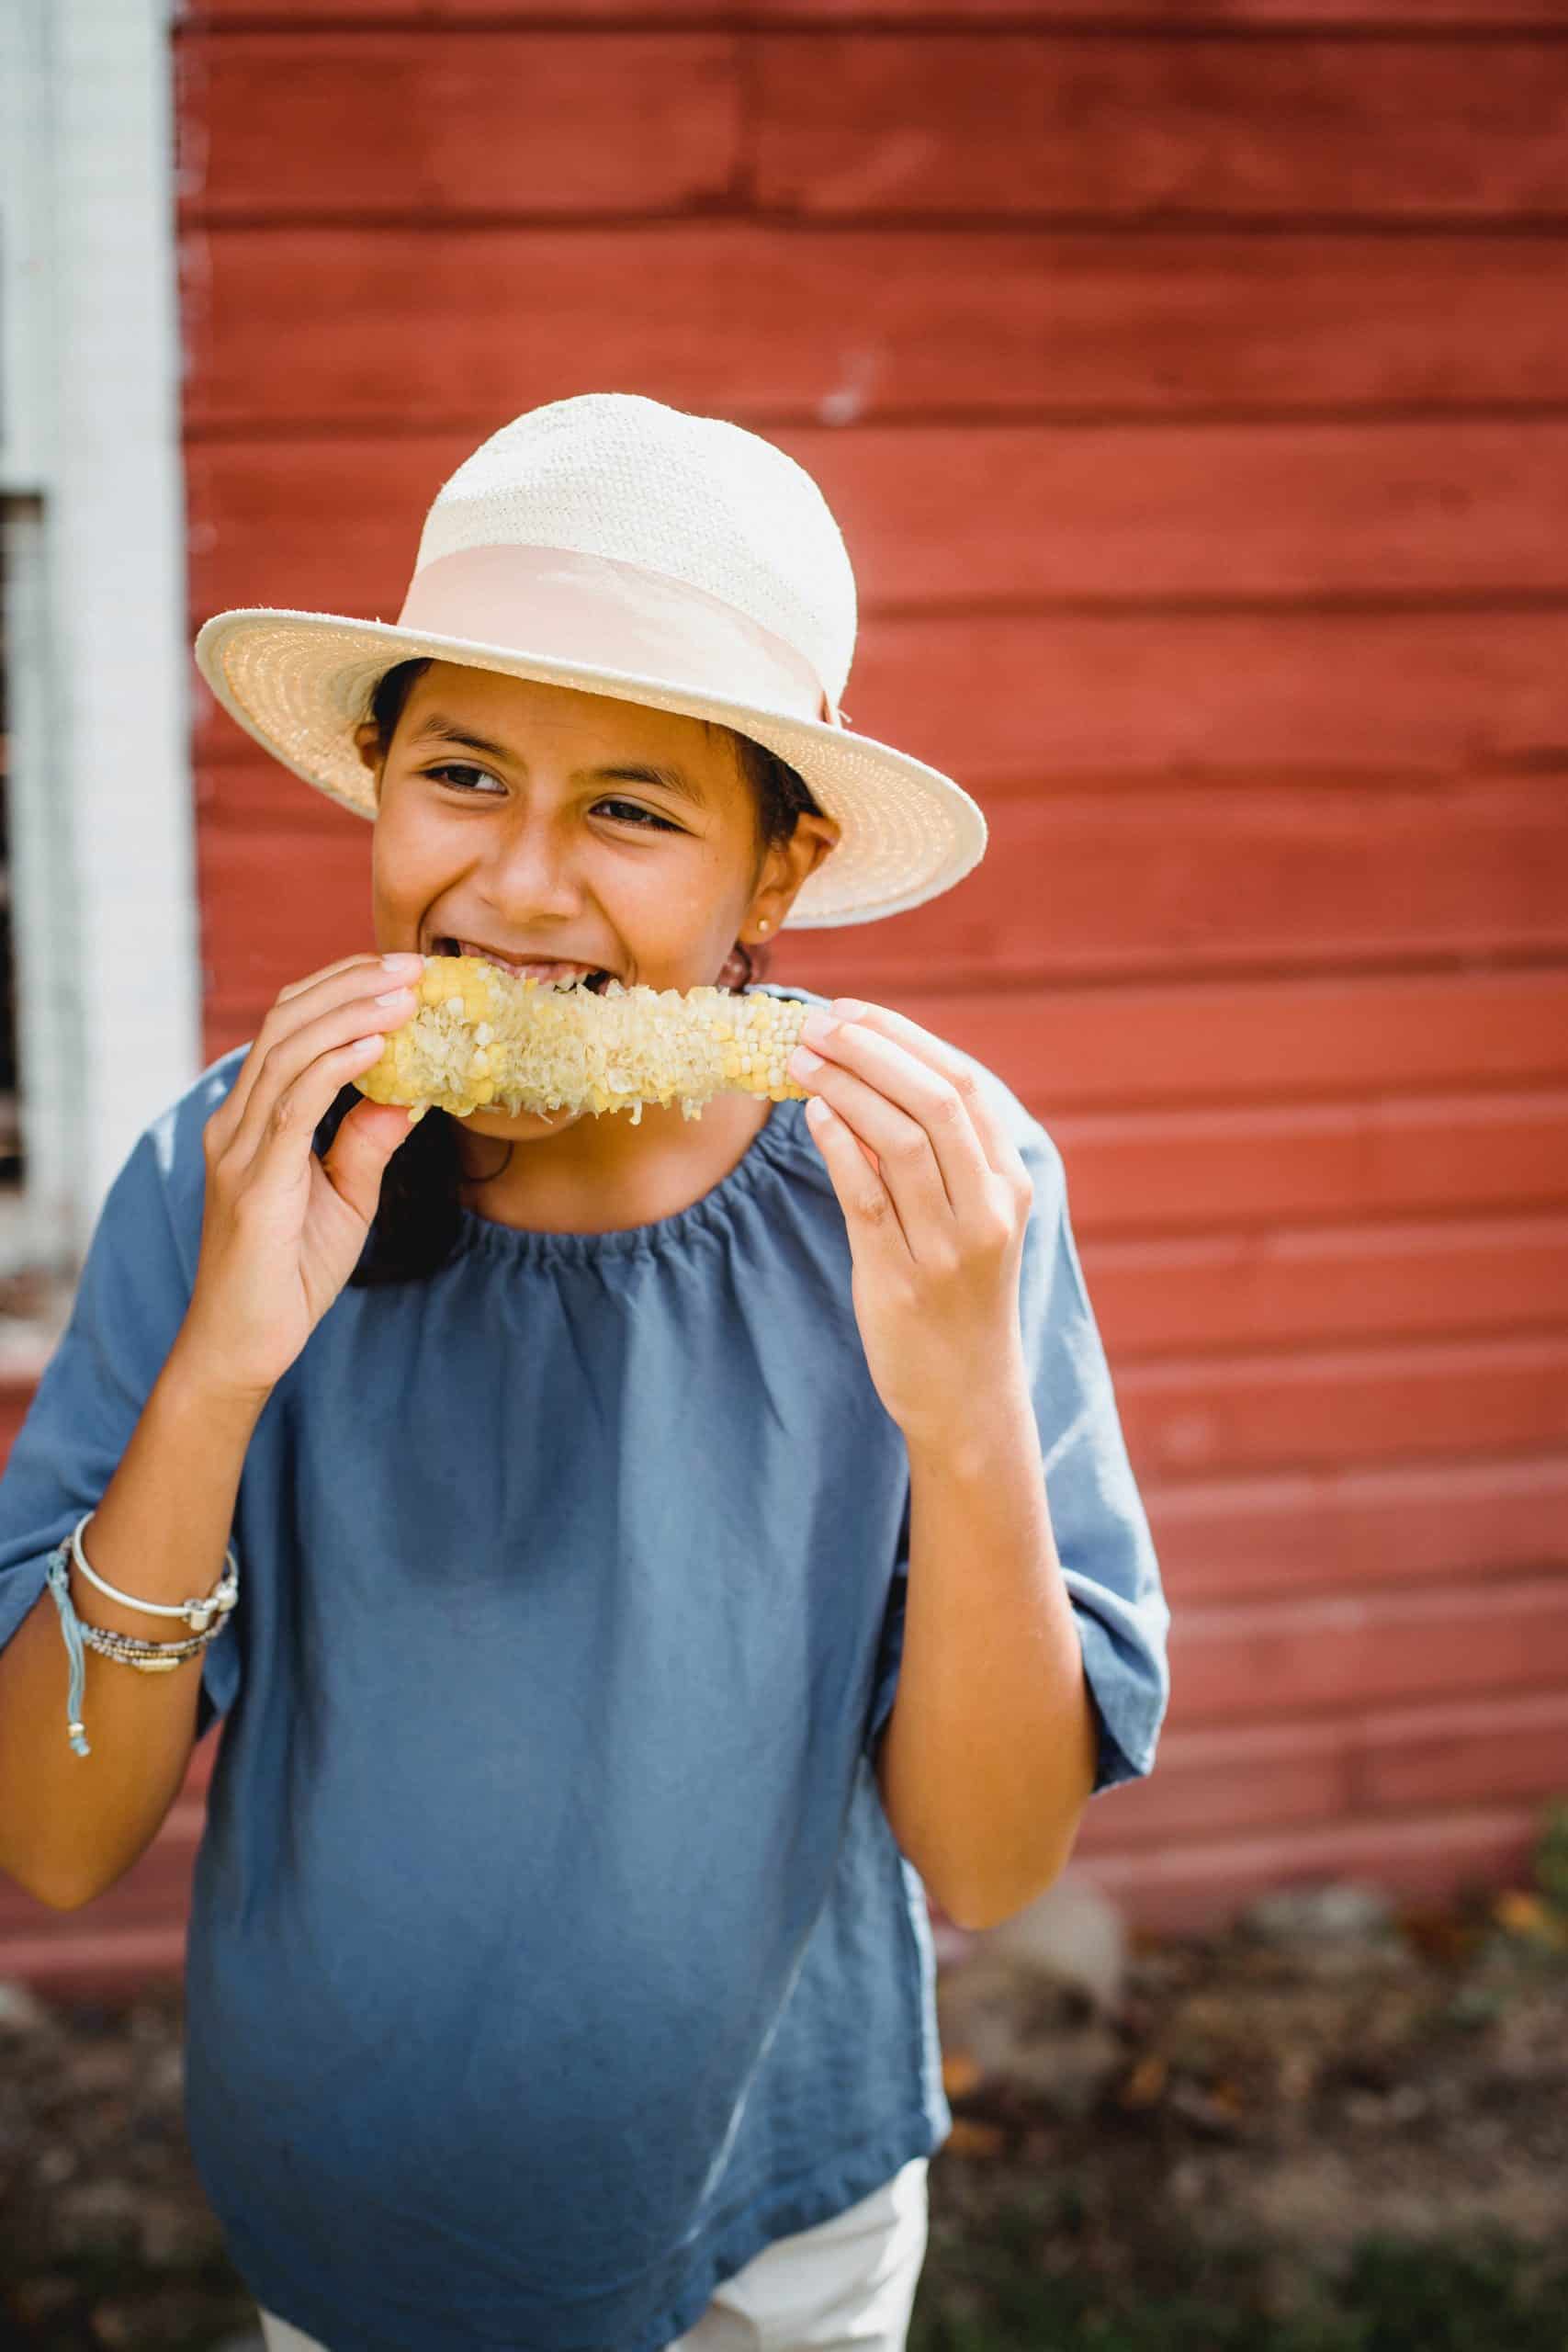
(438, 729)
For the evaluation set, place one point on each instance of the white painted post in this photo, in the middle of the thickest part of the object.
(118, 572)
(99, 664)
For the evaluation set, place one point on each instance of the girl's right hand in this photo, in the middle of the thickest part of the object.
(282, 1230)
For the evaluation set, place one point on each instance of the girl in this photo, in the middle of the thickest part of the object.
(655, 1554)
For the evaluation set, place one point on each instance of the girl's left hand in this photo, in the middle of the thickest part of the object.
(936, 1199)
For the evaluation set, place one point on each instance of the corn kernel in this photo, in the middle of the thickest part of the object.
(546, 1049)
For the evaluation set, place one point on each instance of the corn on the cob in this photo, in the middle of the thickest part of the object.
(485, 1035)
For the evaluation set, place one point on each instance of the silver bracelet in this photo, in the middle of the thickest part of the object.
(147, 1658)
(198, 1614)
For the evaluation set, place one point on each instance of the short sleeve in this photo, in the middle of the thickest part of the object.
(1097, 1515)
(131, 1300)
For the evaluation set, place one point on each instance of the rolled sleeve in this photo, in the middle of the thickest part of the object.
(131, 1300)
(1107, 1554)
(1097, 1514)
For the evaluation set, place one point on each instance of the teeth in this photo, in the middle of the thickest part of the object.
(537, 968)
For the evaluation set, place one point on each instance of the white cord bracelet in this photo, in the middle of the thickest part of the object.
(198, 1614)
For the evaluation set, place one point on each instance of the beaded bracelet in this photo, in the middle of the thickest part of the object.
(127, 1649)
(149, 1658)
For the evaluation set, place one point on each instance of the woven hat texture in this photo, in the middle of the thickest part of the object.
(753, 525)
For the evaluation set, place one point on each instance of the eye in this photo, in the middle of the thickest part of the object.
(645, 815)
(460, 767)
(643, 819)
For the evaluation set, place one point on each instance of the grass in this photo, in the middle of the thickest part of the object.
(1487, 2295)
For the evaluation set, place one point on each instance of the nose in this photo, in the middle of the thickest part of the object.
(530, 867)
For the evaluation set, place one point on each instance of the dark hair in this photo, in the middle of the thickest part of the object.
(417, 1219)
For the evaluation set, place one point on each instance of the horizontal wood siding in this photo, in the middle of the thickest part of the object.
(1191, 384)
(1084, 17)
(1044, 15)
(1207, 127)
(975, 513)
(1075, 324)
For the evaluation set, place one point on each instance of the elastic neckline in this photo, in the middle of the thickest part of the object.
(776, 1143)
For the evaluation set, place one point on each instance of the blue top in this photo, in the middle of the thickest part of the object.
(550, 1953)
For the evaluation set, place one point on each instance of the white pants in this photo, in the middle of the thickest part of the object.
(846, 2285)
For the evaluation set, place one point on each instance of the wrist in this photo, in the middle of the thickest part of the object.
(195, 1380)
(966, 1440)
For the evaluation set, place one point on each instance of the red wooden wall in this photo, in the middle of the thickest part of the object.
(1191, 384)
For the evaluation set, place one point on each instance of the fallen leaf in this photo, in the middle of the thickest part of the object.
(960, 2074)
(1146, 2081)
(1519, 1913)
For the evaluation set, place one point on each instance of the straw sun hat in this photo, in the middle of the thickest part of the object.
(612, 544)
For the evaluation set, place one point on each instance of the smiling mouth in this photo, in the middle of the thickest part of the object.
(568, 976)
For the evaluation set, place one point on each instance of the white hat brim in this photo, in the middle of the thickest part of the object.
(300, 683)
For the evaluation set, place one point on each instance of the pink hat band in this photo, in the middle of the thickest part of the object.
(599, 612)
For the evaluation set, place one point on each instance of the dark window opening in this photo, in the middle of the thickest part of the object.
(10, 1108)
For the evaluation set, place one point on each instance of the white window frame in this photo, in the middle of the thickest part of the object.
(100, 800)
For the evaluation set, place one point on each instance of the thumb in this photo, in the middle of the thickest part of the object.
(359, 1151)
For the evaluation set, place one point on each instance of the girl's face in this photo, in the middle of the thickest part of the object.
(549, 823)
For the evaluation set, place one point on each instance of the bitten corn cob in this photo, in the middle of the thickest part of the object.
(482, 1035)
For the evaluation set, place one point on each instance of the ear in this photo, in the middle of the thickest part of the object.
(366, 743)
(825, 835)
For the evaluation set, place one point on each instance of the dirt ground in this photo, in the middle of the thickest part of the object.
(1357, 2141)
(1195, 2168)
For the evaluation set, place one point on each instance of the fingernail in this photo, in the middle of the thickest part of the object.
(801, 1063)
(404, 963)
(396, 996)
(817, 1027)
(848, 1008)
